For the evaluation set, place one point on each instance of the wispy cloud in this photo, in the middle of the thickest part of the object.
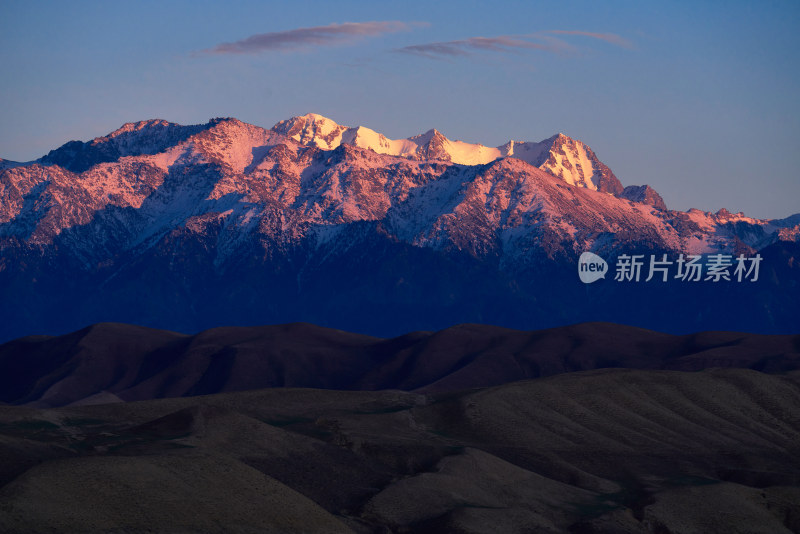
(612, 38)
(466, 47)
(289, 40)
(545, 41)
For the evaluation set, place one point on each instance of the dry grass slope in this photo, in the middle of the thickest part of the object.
(602, 451)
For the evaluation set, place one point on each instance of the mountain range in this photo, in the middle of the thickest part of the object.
(190, 227)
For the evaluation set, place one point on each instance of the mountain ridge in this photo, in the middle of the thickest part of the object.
(119, 361)
(245, 149)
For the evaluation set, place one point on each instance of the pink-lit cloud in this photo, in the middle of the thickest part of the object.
(289, 40)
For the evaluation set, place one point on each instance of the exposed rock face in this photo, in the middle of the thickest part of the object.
(644, 194)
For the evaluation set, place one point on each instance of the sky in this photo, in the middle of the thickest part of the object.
(697, 99)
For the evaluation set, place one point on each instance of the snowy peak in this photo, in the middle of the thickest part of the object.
(432, 145)
(366, 138)
(560, 155)
(575, 163)
(427, 137)
(312, 130)
(315, 130)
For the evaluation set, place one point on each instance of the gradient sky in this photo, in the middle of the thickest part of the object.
(699, 100)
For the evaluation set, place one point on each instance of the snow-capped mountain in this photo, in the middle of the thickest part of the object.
(310, 210)
(561, 156)
(322, 175)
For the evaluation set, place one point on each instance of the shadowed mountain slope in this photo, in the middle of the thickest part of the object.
(107, 362)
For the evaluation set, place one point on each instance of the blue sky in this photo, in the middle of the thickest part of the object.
(698, 100)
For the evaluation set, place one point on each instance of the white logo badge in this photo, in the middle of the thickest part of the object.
(591, 267)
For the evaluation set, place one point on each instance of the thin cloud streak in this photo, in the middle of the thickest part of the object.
(465, 47)
(289, 40)
(545, 41)
(612, 38)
